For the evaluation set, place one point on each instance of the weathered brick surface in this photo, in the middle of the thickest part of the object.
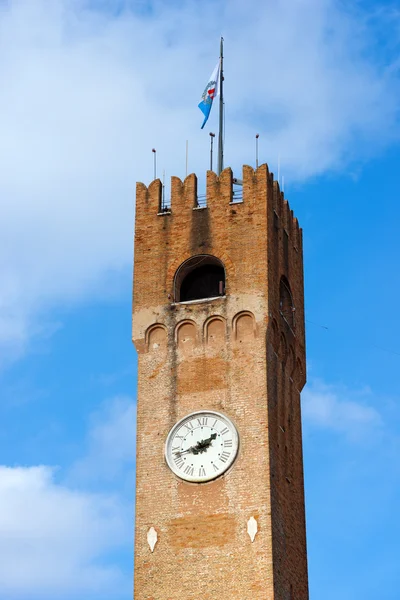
(250, 368)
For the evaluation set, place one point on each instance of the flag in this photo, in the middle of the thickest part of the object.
(211, 90)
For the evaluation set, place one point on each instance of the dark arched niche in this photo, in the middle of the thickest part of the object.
(202, 276)
(286, 305)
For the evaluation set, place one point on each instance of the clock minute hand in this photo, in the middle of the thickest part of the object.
(188, 450)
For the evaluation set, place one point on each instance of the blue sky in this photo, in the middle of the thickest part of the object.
(88, 88)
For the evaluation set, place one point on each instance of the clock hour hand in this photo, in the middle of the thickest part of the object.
(200, 447)
(203, 445)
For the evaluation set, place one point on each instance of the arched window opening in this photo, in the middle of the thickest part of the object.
(202, 276)
(286, 306)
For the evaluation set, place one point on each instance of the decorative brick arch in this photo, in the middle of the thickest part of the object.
(214, 331)
(290, 362)
(299, 375)
(186, 335)
(283, 348)
(273, 333)
(156, 337)
(286, 304)
(244, 327)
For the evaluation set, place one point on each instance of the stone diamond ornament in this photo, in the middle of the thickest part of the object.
(252, 528)
(152, 538)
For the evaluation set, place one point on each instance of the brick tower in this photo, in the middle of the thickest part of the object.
(218, 324)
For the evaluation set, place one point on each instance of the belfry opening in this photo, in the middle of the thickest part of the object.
(199, 277)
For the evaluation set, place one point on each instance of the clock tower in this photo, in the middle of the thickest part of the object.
(218, 324)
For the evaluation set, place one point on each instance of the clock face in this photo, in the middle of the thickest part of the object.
(201, 446)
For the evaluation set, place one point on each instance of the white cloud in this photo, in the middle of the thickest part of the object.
(110, 444)
(52, 539)
(86, 94)
(57, 539)
(339, 409)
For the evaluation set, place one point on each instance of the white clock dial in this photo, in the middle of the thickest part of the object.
(201, 446)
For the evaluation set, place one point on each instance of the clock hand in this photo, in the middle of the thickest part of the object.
(207, 442)
(188, 450)
(203, 445)
(199, 448)
(184, 451)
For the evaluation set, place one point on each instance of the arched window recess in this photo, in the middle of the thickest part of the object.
(286, 306)
(199, 278)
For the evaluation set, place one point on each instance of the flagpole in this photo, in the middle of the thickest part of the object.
(221, 110)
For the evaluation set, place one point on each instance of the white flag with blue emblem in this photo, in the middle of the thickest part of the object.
(210, 92)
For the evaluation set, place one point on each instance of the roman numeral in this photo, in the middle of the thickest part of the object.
(227, 444)
(179, 461)
(224, 456)
(189, 470)
(202, 421)
(189, 425)
(177, 448)
(202, 472)
(215, 422)
(224, 431)
(215, 467)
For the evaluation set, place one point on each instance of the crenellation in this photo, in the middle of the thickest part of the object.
(154, 197)
(190, 190)
(211, 186)
(262, 187)
(277, 198)
(249, 180)
(177, 194)
(148, 199)
(219, 190)
(295, 230)
(262, 172)
(183, 194)
(286, 215)
(290, 224)
(141, 194)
